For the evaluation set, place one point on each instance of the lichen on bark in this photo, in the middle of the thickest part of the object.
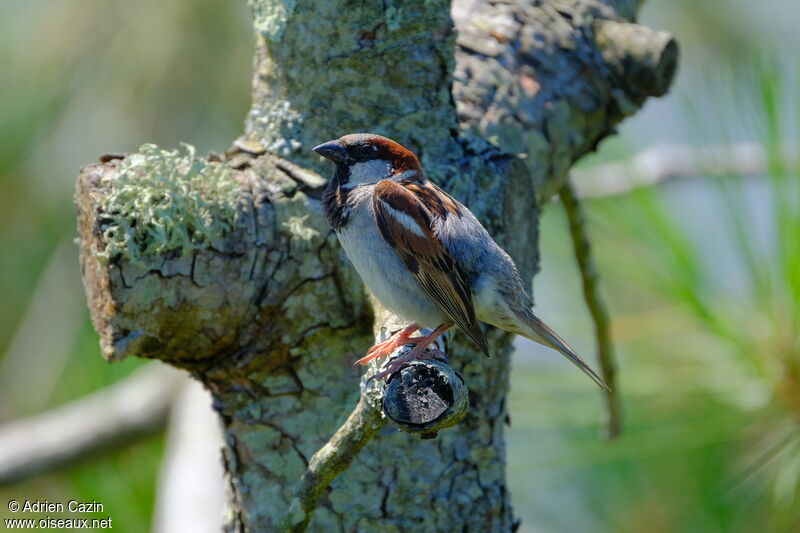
(163, 203)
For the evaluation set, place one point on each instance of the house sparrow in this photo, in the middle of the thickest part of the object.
(423, 254)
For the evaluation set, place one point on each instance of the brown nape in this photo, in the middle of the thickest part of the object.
(401, 158)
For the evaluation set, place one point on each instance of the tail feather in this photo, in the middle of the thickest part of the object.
(540, 332)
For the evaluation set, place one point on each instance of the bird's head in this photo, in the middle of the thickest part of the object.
(368, 158)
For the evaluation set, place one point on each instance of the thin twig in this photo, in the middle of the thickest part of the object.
(113, 417)
(330, 460)
(337, 454)
(340, 450)
(597, 308)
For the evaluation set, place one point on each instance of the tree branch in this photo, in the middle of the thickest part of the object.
(334, 457)
(130, 409)
(663, 163)
(644, 59)
(597, 308)
(423, 397)
(426, 396)
(514, 59)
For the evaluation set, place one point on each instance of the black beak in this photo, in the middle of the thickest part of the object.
(332, 150)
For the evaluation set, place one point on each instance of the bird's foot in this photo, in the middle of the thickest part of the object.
(418, 352)
(393, 365)
(386, 347)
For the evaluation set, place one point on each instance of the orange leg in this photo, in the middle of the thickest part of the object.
(389, 345)
(418, 352)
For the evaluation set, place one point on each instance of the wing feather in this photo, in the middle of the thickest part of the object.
(407, 226)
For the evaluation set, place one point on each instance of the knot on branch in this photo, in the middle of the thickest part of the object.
(425, 396)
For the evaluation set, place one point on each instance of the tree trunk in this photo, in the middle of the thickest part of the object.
(229, 270)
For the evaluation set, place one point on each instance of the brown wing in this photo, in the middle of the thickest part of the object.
(406, 225)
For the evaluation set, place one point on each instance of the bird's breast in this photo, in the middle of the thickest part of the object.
(381, 268)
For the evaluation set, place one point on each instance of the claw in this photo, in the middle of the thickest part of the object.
(418, 352)
(394, 365)
(391, 344)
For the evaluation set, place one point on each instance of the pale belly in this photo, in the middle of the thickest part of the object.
(384, 273)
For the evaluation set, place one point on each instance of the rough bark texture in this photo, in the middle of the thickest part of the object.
(259, 302)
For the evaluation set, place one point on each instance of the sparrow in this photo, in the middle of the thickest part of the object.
(422, 253)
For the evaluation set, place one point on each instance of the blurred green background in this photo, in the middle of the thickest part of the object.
(702, 275)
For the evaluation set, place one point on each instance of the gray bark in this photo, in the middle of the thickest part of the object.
(258, 302)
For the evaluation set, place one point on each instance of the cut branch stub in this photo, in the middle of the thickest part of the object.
(425, 396)
(645, 59)
(190, 277)
(422, 396)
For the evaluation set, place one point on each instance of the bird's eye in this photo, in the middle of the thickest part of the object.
(370, 149)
